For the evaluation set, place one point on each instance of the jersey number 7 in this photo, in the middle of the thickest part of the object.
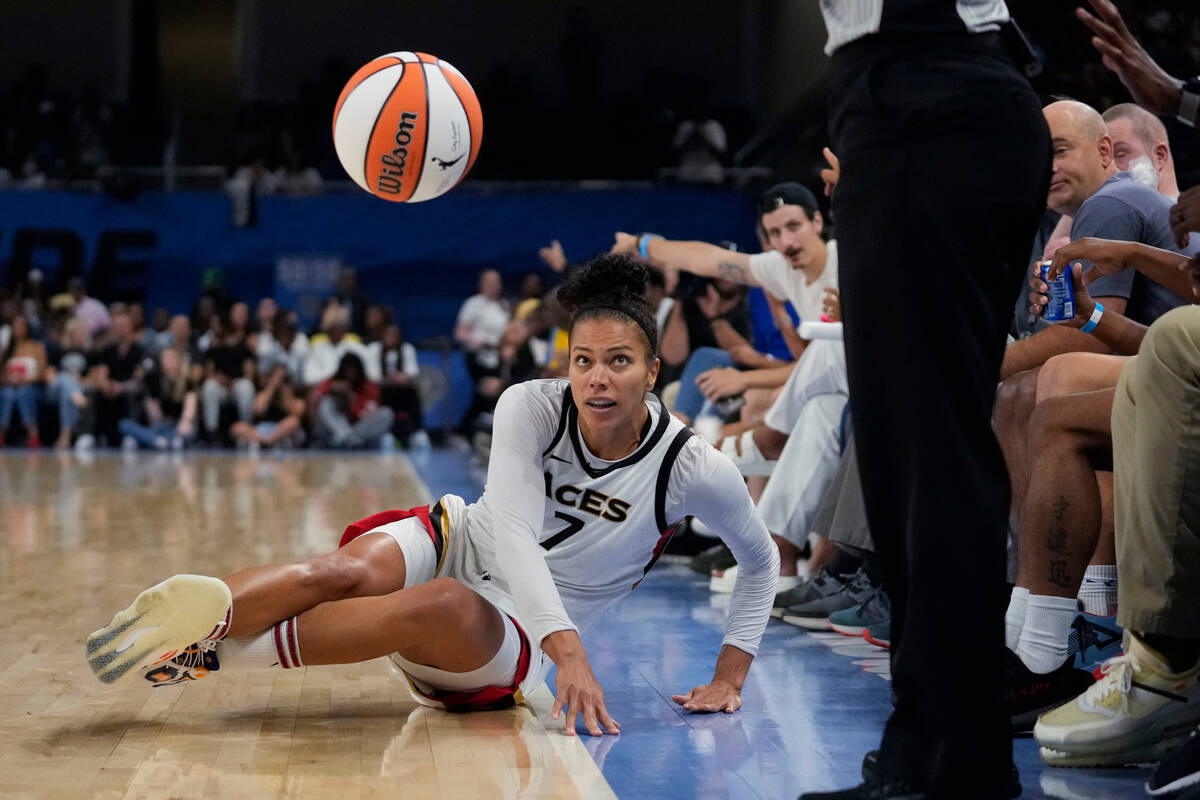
(574, 526)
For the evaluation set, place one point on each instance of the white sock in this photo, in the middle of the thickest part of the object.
(1014, 618)
(1098, 593)
(221, 629)
(278, 646)
(1043, 643)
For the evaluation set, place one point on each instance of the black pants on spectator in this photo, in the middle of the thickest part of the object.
(945, 166)
(405, 402)
(106, 412)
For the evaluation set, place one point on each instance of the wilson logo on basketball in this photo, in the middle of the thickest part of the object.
(392, 171)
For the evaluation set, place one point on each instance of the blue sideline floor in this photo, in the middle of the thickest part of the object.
(813, 704)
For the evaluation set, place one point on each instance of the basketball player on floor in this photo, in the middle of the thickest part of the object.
(473, 603)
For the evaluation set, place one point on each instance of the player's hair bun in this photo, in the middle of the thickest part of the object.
(607, 280)
(610, 286)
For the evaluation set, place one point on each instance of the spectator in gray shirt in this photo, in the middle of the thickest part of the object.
(1106, 204)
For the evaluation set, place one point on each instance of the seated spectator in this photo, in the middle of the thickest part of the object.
(264, 318)
(1107, 204)
(179, 335)
(64, 379)
(799, 268)
(1155, 683)
(1140, 139)
(282, 341)
(344, 409)
(708, 314)
(229, 373)
(201, 320)
(481, 323)
(22, 371)
(93, 313)
(516, 362)
(533, 288)
(137, 317)
(376, 321)
(239, 320)
(1070, 448)
(157, 336)
(398, 362)
(212, 334)
(169, 407)
(353, 299)
(115, 382)
(278, 413)
(724, 307)
(335, 340)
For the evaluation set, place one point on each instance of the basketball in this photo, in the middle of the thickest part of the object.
(407, 127)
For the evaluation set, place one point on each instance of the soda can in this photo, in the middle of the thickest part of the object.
(1061, 294)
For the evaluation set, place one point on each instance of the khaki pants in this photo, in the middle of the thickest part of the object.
(842, 517)
(1156, 460)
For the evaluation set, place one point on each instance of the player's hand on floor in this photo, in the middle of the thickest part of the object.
(715, 696)
(578, 691)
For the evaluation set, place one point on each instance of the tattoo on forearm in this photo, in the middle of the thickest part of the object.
(1058, 543)
(731, 272)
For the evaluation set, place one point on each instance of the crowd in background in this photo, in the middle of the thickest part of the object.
(77, 371)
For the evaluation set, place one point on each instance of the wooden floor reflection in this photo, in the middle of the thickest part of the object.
(80, 538)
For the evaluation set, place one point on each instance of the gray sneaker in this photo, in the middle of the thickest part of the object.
(822, 584)
(814, 615)
(716, 557)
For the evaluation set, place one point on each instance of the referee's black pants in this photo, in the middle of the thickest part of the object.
(945, 165)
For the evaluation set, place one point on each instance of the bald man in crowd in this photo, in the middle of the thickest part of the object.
(1136, 133)
(1086, 183)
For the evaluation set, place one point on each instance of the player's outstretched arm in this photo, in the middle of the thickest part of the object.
(575, 686)
(712, 489)
(699, 258)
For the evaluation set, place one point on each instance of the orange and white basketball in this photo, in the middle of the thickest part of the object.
(407, 127)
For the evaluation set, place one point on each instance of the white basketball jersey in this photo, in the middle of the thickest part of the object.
(610, 511)
(605, 522)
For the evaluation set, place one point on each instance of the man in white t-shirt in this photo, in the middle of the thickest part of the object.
(802, 269)
(334, 341)
(481, 323)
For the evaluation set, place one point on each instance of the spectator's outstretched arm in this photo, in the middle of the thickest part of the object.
(1151, 87)
(699, 258)
(1109, 257)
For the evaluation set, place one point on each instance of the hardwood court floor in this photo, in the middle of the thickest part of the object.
(79, 540)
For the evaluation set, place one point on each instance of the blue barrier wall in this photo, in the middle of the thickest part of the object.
(422, 259)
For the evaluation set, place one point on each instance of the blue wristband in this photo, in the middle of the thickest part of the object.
(644, 244)
(1094, 320)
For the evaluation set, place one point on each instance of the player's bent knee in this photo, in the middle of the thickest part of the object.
(444, 608)
(337, 575)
